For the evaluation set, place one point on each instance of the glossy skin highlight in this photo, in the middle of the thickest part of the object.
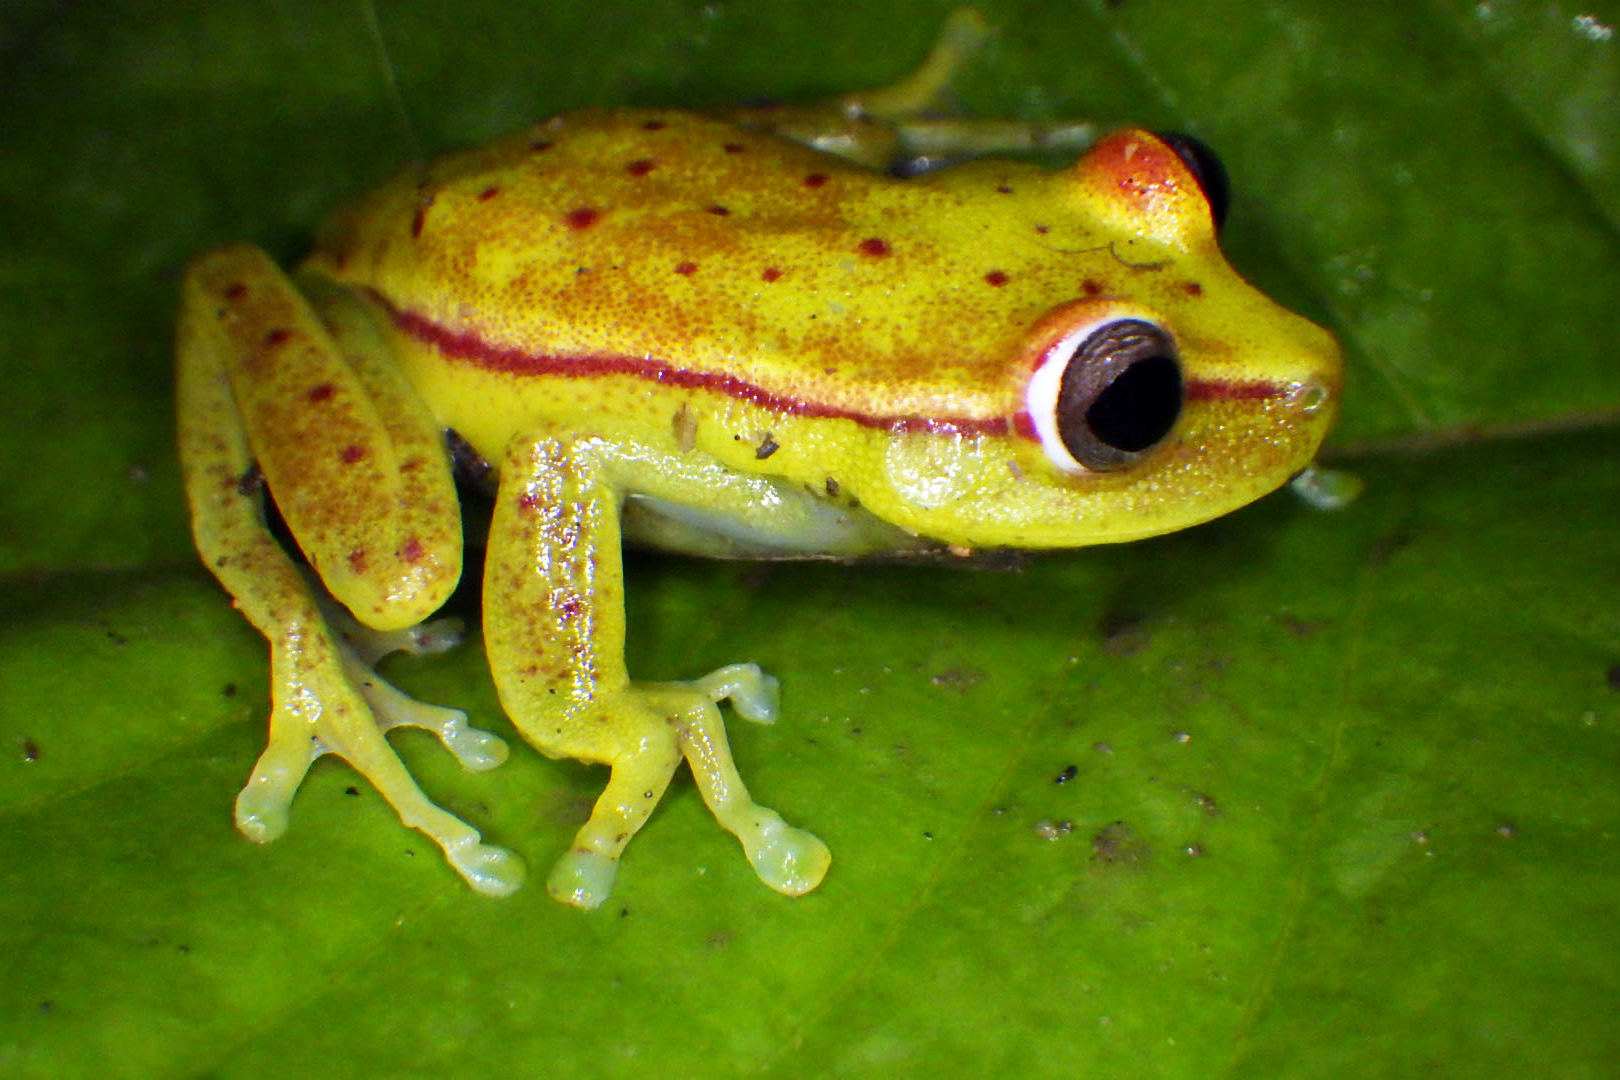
(691, 332)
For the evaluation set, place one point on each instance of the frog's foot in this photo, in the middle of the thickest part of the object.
(338, 705)
(361, 648)
(789, 860)
(663, 723)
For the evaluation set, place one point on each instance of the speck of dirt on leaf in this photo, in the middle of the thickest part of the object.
(1117, 844)
(957, 678)
(1300, 628)
(1048, 829)
(1385, 547)
(1124, 633)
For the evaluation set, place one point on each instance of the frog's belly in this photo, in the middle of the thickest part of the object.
(805, 528)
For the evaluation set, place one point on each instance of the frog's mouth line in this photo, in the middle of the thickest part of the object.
(468, 347)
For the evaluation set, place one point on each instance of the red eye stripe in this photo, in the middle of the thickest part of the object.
(469, 348)
(1239, 390)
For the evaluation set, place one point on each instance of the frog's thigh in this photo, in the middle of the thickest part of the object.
(318, 704)
(554, 630)
(356, 463)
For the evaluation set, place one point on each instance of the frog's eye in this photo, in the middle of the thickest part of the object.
(1206, 167)
(1105, 397)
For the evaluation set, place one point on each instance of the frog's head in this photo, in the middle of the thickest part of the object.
(1169, 390)
(1177, 391)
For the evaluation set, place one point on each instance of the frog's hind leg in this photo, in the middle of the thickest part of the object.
(253, 356)
(554, 630)
(789, 860)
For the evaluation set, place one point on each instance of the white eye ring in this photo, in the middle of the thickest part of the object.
(1106, 394)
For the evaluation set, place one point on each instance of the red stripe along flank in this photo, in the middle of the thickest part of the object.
(474, 349)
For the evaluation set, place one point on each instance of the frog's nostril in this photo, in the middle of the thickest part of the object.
(1309, 396)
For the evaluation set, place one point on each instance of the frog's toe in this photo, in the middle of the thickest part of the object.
(1326, 489)
(265, 801)
(755, 695)
(791, 861)
(475, 748)
(490, 870)
(582, 878)
(435, 637)
(259, 819)
(371, 645)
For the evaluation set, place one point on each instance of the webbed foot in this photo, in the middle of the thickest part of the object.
(329, 699)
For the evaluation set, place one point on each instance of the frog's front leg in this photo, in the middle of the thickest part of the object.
(309, 401)
(896, 127)
(554, 629)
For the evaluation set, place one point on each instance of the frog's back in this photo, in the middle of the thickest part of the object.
(623, 236)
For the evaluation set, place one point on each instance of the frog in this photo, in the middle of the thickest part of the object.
(733, 334)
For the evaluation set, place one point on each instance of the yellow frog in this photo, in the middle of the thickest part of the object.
(715, 334)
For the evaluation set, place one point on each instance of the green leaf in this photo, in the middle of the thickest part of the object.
(1343, 794)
